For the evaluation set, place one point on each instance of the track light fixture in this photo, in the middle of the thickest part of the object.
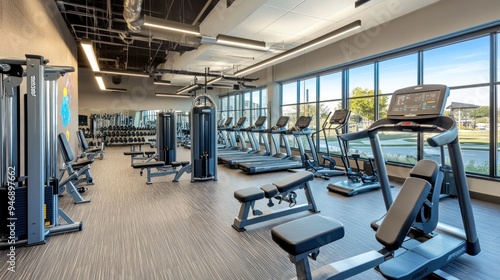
(125, 73)
(88, 48)
(320, 40)
(100, 82)
(171, 95)
(186, 89)
(241, 42)
(171, 25)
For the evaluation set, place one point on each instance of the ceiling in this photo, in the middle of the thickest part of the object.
(179, 58)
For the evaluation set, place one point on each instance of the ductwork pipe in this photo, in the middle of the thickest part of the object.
(132, 14)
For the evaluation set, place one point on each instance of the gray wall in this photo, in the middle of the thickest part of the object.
(36, 27)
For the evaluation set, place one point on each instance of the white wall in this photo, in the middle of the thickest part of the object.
(36, 27)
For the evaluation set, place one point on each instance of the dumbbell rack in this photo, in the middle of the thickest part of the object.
(124, 135)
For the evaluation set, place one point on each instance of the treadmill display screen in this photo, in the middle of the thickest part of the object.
(228, 121)
(421, 102)
(260, 121)
(303, 122)
(241, 121)
(339, 116)
(282, 121)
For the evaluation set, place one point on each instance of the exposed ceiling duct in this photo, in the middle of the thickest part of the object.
(132, 14)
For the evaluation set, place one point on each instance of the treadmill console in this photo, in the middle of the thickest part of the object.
(303, 122)
(260, 121)
(228, 121)
(240, 122)
(282, 121)
(340, 116)
(418, 102)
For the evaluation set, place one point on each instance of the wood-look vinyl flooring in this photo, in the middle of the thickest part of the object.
(183, 230)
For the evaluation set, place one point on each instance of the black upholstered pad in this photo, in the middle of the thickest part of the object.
(133, 153)
(149, 153)
(93, 150)
(81, 163)
(399, 218)
(308, 233)
(270, 190)
(248, 194)
(149, 164)
(184, 163)
(293, 181)
(175, 164)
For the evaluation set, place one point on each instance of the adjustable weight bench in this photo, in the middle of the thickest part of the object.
(282, 190)
(140, 155)
(163, 169)
(87, 151)
(302, 238)
(75, 170)
(134, 145)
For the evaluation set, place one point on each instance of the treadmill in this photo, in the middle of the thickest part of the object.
(278, 129)
(232, 132)
(301, 128)
(223, 134)
(256, 151)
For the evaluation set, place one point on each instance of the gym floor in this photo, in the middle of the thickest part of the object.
(183, 230)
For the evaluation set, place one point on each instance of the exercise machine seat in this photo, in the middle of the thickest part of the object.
(82, 163)
(308, 233)
(403, 212)
(248, 194)
(133, 153)
(149, 164)
(270, 190)
(148, 153)
(292, 181)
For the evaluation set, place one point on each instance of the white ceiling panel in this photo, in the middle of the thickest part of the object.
(284, 4)
(291, 23)
(259, 20)
(321, 8)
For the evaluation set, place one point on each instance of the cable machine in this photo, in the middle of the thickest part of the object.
(203, 139)
(29, 210)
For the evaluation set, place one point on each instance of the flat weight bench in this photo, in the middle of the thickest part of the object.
(140, 155)
(163, 169)
(282, 190)
(302, 238)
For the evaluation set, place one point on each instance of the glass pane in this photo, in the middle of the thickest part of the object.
(264, 98)
(331, 137)
(289, 93)
(497, 126)
(291, 112)
(231, 103)
(237, 99)
(362, 78)
(223, 102)
(383, 105)
(398, 73)
(330, 86)
(470, 109)
(256, 99)
(246, 100)
(308, 90)
(362, 110)
(399, 147)
(462, 63)
(498, 57)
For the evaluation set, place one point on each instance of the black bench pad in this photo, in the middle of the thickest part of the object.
(93, 150)
(308, 233)
(82, 163)
(148, 164)
(149, 153)
(270, 190)
(248, 194)
(293, 181)
(133, 153)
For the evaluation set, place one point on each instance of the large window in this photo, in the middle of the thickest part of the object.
(458, 64)
(251, 105)
(465, 66)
